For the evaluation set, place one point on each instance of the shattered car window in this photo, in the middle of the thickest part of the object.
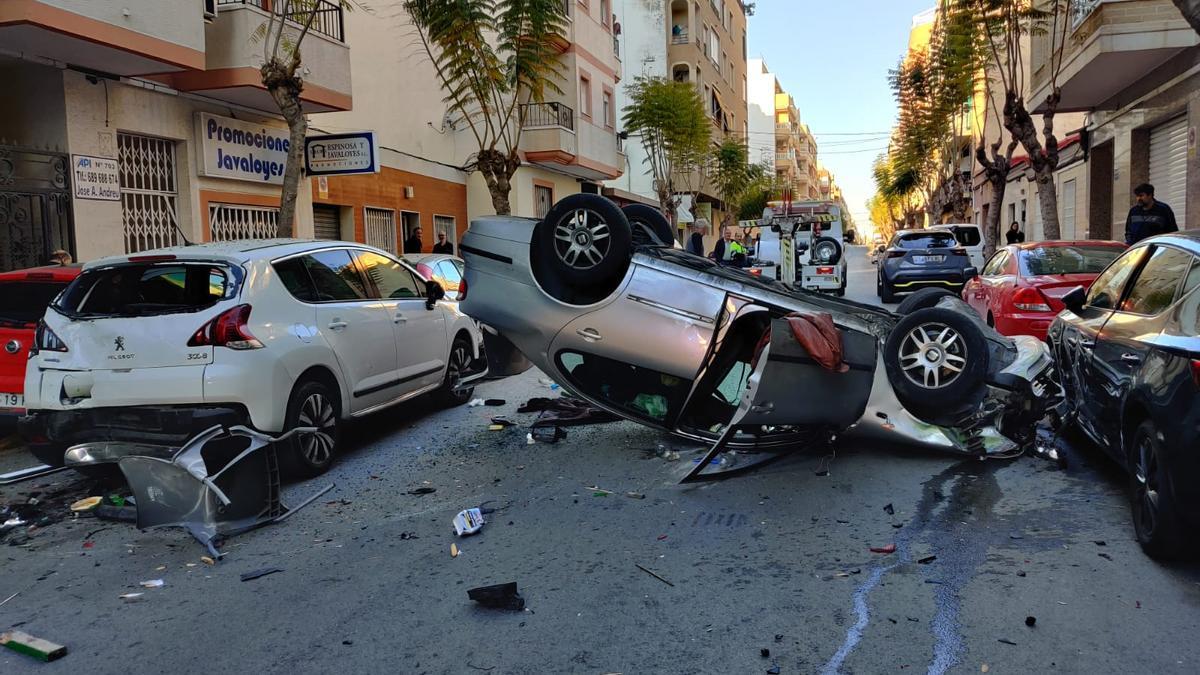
(639, 391)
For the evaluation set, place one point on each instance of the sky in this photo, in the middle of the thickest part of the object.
(833, 57)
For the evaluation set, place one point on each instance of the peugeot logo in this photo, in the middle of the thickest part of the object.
(119, 344)
(12, 346)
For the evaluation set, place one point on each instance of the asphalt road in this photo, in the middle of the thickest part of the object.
(777, 560)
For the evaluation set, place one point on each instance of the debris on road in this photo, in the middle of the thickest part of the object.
(498, 596)
(262, 572)
(453, 550)
(207, 560)
(927, 559)
(890, 548)
(495, 402)
(130, 597)
(152, 583)
(1031, 621)
(502, 422)
(779, 637)
(424, 490)
(654, 575)
(121, 514)
(1007, 642)
(765, 653)
(548, 434)
(29, 645)
(475, 403)
(86, 504)
(468, 521)
(773, 670)
(635, 495)
(1100, 542)
(890, 510)
(9, 598)
(565, 412)
(1105, 556)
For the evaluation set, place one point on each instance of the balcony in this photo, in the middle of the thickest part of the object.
(233, 58)
(128, 38)
(1113, 48)
(553, 137)
(785, 159)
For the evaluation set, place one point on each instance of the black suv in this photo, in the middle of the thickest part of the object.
(1129, 354)
(917, 259)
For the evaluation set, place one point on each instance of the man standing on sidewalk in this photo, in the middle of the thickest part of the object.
(1148, 217)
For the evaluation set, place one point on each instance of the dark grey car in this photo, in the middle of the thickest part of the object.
(1129, 353)
(917, 259)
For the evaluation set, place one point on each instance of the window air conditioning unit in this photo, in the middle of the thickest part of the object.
(408, 192)
(210, 9)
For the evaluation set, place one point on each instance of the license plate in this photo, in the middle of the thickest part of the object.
(12, 400)
(923, 259)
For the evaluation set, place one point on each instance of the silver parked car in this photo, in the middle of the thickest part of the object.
(680, 343)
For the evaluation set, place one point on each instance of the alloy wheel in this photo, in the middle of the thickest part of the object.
(317, 411)
(460, 361)
(933, 355)
(1146, 486)
(582, 239)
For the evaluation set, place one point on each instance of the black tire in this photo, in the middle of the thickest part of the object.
(648, 226)
(313, 403)
(565, 240)
(458, 360)
(825, 242)
(937, 362)
(886, 294)
(926, 297)
(1155, 519)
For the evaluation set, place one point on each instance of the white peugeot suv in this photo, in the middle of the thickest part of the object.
(275, 334)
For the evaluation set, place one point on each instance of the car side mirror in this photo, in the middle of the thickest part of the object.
(433, 293)
(1075, 299)
(970, 273)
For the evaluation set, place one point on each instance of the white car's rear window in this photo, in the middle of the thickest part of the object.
(146, 289)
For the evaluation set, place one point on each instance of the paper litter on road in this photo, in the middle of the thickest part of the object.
(468, 521)
(153, 583)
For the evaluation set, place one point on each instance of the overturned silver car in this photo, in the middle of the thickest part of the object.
(595, 297)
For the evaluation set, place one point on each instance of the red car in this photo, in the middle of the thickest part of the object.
(24, 295)
(1020, 289)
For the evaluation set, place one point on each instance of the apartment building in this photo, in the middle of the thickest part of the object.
(762, 88)
(1133, 67)
(569, 142)
(131, 125)
(795, 151)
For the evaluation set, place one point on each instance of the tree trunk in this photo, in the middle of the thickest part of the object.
(1191, 12)
(498, 170)
(285, 87)
(991, 227)
(1048, 201)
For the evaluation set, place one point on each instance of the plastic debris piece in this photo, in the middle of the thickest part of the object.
(503, 421)
(254, 574)
(423, 490)
(130, 597)
(24, 643)
(498, 596)
(160, 568)
(86, 504)
(529, 439)
(1105, 556)
(1007, 642)
(984, 668)
(153, 583)
(765, 653)
(468, 521)
(475, 403)
(927, 559)
(1100, 542)
(453, 550)
(662, 537)
(890, 510)
(890, 548)
(89, 544)
(207, 560)
(1031, 621)
(779, 637)
(494, 402)
(773, 670)
(548, 434)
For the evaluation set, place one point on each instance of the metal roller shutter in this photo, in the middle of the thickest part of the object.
(1168, 166)
(327, 223)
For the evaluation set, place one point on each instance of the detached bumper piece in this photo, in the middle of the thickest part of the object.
(222, 482)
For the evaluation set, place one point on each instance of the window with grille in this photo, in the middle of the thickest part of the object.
(381, 228)
(445, 224)
(230, 222)
(149, 192)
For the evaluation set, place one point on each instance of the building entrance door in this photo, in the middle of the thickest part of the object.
(35, 207)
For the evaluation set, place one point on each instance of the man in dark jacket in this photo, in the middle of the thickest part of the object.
(443, 246)
(413, 243)
(1148, 217)
(695, 242)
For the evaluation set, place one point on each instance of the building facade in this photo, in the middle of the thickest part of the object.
(140, 124)
(795, 151)
(1133, 67)
(569, 142)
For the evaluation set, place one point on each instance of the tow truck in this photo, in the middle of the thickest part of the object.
(802, 242)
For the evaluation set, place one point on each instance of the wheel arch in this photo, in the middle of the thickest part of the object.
(322, 374)
(1133, 413)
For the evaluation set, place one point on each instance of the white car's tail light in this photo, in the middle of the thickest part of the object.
(462, 289)
(44, 340)
(227, 329)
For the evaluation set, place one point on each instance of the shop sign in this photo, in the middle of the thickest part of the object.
(240, 150)
(95, 178)
(339, 154)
